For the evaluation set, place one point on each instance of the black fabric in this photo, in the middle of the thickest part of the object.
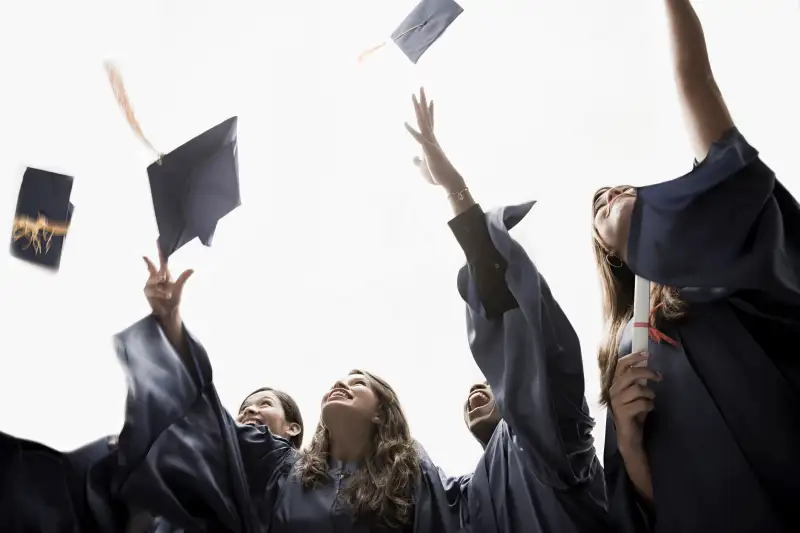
(724, 436)
(487, 265)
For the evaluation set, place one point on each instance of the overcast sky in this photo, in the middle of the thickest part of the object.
(340, 256)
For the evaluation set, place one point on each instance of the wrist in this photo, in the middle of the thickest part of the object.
(631, 449)
(455, 186)
(460, 201)
(170, 320)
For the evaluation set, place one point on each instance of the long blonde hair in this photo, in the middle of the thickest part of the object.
(382, 488)
(616, 283)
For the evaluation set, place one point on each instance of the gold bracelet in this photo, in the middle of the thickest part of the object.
(459, 195)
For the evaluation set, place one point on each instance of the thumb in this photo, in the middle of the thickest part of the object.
(177, 289)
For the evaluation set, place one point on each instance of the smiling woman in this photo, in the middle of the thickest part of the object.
(704, 436)
(362, 473)
(276, 410)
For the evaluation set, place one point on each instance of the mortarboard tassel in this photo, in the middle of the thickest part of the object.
(115, 78)
(28, 228)
(369, 51)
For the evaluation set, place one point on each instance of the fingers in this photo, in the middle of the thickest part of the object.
(423, 100)
(158, 292)
(150, 267)
(632, 400)
(177, 289)
(417, 135)
(162, 260)
(629, 361)
(424, 119)
(424, 114)
(418, 114)
(632, 409)
(635, 375)
(634, 393)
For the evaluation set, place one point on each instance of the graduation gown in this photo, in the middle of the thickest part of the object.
(539, 472)
(183, 457)
(724, 439)
(44, 490)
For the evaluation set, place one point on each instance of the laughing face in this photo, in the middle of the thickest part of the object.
(480, 412)
(264, 408)
(350, 397)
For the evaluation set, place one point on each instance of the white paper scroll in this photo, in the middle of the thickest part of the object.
(641, 318)
(641, 314)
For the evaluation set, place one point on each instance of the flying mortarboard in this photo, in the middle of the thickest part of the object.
(42, 217)
(421, 28)
(193, 186)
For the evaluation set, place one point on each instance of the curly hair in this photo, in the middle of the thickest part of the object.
(616, 283)
(382, 489)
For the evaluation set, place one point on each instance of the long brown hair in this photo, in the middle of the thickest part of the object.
(383, 486)
(616, 284)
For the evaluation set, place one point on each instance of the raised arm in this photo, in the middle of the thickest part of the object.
(728, 227)
(518, 334)
(531, 357)
(181, 455)
(706, 115)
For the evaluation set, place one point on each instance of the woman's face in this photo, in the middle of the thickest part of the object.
(351, 397)
(613, 208)
(265, 409)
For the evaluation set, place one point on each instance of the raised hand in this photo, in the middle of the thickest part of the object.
(163, 294)
(434, 165)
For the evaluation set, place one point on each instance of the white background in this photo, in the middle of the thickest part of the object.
(340, 256)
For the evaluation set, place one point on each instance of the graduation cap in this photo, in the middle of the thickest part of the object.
(193, 186)
(42, 218)
(421, 28)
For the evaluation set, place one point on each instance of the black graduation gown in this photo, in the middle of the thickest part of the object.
(539, 472)
(183, 457)
(724, 438)
(44, 490)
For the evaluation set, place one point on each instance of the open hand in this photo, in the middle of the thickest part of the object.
(163, 294)
(433, 165)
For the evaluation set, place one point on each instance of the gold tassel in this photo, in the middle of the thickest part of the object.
(28, 228)
(369, 51)
(115, 78)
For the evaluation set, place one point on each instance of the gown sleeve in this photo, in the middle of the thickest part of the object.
(42, 489)
(181, 455)
(727, 226)
(626, 513)
(456, 489)
(531, 357)
(441, 501)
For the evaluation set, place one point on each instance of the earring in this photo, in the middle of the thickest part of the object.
(611, 258)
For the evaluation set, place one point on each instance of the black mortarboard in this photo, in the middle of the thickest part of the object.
(42, 217)
(193, 186)
(426, 23)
